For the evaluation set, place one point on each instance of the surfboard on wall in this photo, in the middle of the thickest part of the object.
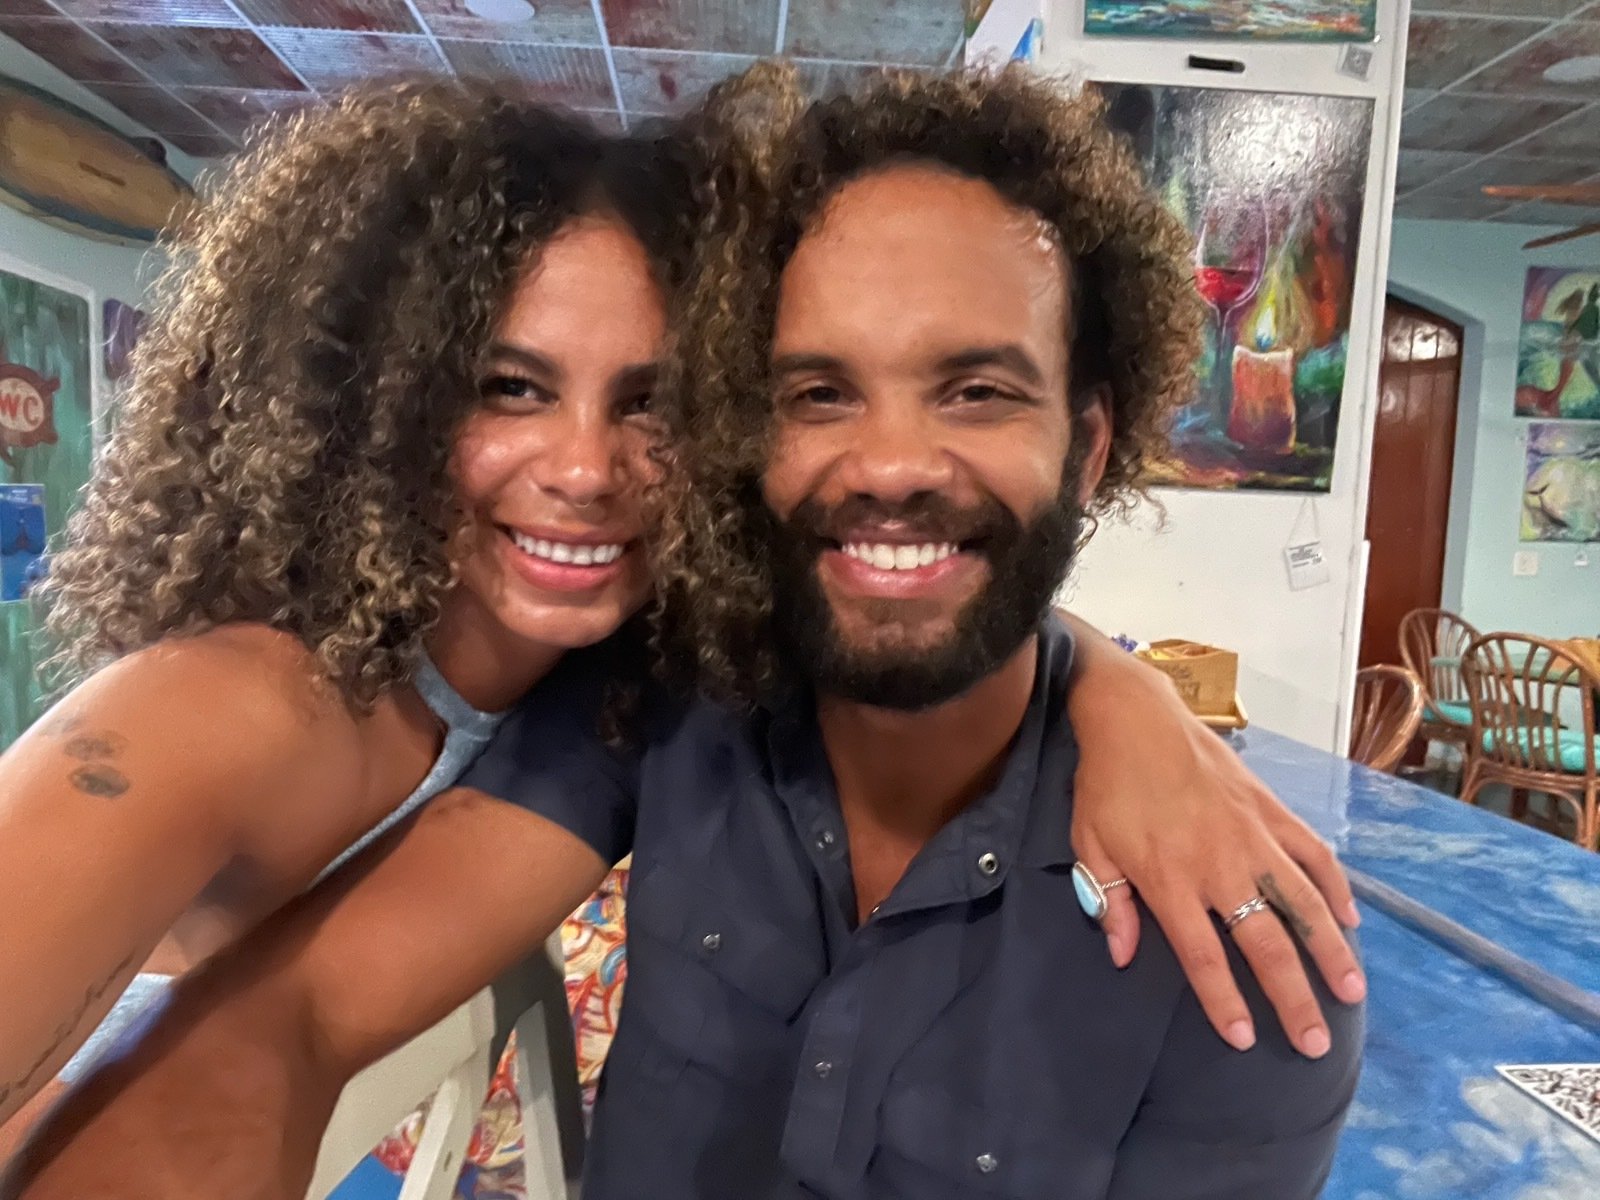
(69, 168)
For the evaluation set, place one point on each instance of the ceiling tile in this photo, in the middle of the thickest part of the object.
(357, 16)
(1443, 49)
(1522, 72)
(1481, 124)
(1500, 168)
(575, 76)
(1577, 136)
(72, 50)
(554, 22)
(154, 108)
(1447, 208)
(1414, 97)
(202, 145)
(330, 60)
(830, 78)
(1549, 10)
(716, 26)
(153, 12)
(234, 112)
(659, 82)
(919, 32)
(1417, 168)
(201, 57)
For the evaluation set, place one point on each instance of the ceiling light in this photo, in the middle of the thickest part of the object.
(505, 12)
(1584, 69)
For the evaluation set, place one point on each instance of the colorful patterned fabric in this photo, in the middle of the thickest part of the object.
(593, 941)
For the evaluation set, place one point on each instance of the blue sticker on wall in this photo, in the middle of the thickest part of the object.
(22, 539)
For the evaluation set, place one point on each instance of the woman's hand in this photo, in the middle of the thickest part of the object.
(1162, 801)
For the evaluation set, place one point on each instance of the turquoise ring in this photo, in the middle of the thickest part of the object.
(1091, 892)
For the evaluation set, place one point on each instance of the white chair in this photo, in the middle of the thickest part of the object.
(452, 1062)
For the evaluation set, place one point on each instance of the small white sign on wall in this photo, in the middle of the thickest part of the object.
(1307, 564)
(1525, 563)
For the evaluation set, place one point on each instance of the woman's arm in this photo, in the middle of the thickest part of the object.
(121, 804)
(231, 1090)
(1163, 801)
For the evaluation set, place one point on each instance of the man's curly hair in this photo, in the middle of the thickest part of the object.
(770, 163)
(282, 453)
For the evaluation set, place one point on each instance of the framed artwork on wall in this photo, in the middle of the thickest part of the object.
(46, 446)
(1271, 185)
(1561, 486)
(1558, 351)
(1236, 20)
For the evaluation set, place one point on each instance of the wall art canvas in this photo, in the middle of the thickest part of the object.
(1561, 490)
(1558, 353)
(1271, 186)
(46, 447)
(1230, 20)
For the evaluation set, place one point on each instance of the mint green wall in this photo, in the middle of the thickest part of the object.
(1473, 273)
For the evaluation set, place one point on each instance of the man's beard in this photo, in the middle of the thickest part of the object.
(1026, 566)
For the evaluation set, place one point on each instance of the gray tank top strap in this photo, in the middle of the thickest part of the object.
(467, 732)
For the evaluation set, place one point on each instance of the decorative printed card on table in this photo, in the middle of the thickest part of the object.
(1570, 1090)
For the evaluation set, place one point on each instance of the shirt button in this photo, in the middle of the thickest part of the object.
(711, 943)
(988, 864)
(825, 839)
(823, 1069)
(987, 1163)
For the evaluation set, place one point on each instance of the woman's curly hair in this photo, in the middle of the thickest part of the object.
(769, 163)
(282, 453)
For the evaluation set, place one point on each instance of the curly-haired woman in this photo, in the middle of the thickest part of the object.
(385, 461)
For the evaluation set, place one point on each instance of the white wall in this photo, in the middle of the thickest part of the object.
(1472, 272)
(109, 271)
(1214, 570)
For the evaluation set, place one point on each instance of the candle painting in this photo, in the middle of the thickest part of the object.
(1271, 186)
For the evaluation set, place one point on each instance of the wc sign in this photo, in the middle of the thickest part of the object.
(27, 410)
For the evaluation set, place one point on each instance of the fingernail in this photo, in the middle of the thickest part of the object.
(1241, 1035)
(1352, 915)
(1353, 987)
(1119, 948)
(1315, 1043)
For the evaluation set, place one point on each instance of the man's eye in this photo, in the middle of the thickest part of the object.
(980, 393)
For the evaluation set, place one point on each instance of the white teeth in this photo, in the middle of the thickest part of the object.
(568, 552)
(899, 557)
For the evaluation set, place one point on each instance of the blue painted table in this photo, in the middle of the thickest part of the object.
(1432, 1120)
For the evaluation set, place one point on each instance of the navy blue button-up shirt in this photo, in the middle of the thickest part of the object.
(971, 1039)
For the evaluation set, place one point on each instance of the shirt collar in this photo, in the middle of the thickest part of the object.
(1025, 818)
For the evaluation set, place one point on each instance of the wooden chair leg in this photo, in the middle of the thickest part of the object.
(1519, 804)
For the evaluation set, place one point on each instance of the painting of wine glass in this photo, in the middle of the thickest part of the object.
(1271, 186)
(1236, 20)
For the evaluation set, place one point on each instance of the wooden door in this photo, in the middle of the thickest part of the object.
(1413, 449)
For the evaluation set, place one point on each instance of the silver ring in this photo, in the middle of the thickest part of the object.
(1091, 892)
(1248, 909)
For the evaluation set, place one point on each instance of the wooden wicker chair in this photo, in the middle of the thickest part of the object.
(1533, 724)
(1388, 713)
(1432, 643)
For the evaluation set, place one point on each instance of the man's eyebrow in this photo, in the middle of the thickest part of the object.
(1009, 355)
(788, 364)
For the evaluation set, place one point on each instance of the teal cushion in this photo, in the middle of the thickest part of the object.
(1454, 712)
(1569, 748)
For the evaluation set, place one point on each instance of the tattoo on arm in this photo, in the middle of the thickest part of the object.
(91, 996)
(101, 780)
(95, 749)
(1275, 897)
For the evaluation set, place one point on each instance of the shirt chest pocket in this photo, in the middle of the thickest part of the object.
(934, 1144)
(716, 984)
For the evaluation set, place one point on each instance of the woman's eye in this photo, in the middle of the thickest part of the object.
(641, 404)
(512, 390)
(820, 394)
